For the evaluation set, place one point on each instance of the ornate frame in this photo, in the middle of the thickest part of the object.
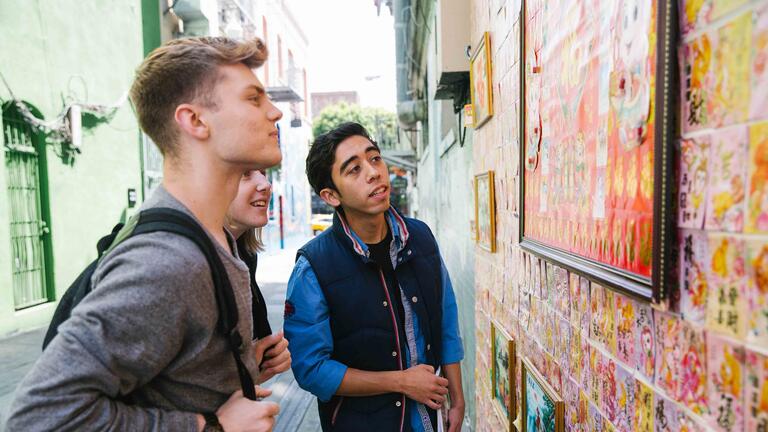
(483, 47)
(527, 368)
(492, 210)
(657, 288)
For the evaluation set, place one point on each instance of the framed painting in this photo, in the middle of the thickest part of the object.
(598, 130)
(480, 79)
(485, 211)
(541, 408)
(503, 373)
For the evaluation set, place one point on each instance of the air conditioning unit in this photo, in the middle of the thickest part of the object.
(452, 42)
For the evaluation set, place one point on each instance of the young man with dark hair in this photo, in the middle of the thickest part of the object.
(142, 350)
(370, 311)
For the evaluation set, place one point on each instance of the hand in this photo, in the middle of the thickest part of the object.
(239, 414)
(422, 385)
(273, 356)
(455, 418)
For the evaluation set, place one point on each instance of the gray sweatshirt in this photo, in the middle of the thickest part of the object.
(148, 329)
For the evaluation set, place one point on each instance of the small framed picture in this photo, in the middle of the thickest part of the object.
(480, 80)
(541, 408)
(503, 373)
(485, 211)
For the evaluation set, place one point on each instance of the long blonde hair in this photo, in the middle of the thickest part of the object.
(252, 241)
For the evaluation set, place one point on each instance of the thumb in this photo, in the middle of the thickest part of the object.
(427, 368)
(262, 392)
(271, 408)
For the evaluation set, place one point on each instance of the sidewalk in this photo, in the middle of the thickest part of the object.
(298, 410)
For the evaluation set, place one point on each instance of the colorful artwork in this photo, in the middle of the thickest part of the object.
(603, 315)
(696, 14)
(480, 77)
(757, 205)
(584, 304)
(574, 296)
(542, 409)
(670, 417)
(571, 395)
(589, 123)
(585, 363)
(626, 400)
(503, 372)
(645, 348)
(625, 329)
(692, 388)
(694, 163)
(758, 108)
(485, 211)
(726, 302)
(727, 191)
(668, 352)
(756, 392)
(757, 292)
(726, 383)
(574, 351)
(643, 408)
(694, 257)
(716, 68)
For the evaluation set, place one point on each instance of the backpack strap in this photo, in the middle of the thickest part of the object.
(177, 222)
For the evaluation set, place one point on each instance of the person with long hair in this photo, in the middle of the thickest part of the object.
(246, 217)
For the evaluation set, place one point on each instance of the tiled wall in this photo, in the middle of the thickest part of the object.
(622, 364)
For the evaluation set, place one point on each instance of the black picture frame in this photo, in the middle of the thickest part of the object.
(662, 283)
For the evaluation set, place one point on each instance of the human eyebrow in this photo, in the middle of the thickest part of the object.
(373, 148)
(256, 88)
(346, 163)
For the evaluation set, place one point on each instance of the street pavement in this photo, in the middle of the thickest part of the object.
(298, 409)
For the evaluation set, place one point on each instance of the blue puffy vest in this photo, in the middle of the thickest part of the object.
(362, 317)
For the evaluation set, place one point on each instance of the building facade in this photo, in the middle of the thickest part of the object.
(286, 79)
(610, 360)
(71, 156)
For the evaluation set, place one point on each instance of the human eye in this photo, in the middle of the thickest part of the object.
(376, 158)
(354, 170)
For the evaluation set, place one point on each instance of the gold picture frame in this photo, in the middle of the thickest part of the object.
(547, 412)
(480, 79)
(485, 211)
(503, 363)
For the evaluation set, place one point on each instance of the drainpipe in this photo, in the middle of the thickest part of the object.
(409, 111)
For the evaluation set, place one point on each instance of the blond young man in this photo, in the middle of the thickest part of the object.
(141, 351)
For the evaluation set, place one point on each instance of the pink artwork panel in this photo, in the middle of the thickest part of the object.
(694, 258)
(726, 383)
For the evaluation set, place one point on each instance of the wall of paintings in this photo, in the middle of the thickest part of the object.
(618, 363)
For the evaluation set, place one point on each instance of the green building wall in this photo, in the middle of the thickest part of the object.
(51, 54)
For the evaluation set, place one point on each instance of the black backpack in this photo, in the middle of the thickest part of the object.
(174, 221)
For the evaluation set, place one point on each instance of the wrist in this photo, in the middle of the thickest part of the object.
(212, 423)
(398, 382)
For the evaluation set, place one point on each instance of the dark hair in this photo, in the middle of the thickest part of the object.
(322, 153)
(184, 71)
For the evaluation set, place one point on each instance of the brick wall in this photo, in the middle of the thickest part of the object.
(619, 363)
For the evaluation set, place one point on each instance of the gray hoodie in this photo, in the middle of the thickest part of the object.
(148, 329)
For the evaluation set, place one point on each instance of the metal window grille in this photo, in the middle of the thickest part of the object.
(27, 226)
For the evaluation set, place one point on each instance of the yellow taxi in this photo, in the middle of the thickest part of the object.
(320, 222)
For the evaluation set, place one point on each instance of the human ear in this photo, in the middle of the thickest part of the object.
(188, 118)
(331, 197)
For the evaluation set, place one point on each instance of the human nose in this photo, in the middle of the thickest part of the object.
(274, 112)
(372, 173)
